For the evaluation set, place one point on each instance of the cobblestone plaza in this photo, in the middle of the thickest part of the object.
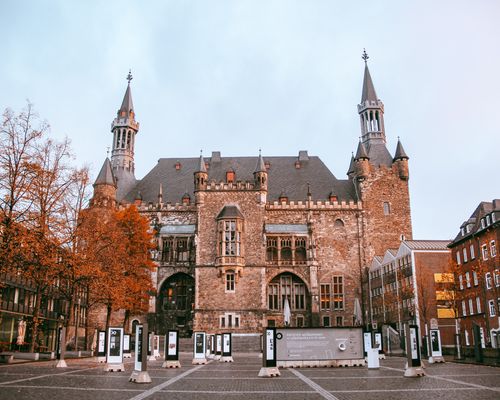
(85, 379)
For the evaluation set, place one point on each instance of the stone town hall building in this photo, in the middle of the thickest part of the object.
(239, 235)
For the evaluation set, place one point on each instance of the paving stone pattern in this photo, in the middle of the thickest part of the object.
(85, 379)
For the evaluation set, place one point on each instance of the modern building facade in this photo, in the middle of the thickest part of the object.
(238, 236)
(413, 284)
(477, 268)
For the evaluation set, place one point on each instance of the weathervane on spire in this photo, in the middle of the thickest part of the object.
(365, 56)
(129, 76)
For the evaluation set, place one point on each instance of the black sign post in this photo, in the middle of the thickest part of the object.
(140, 373)
(269, 361)
(172, 350)
(61, 347)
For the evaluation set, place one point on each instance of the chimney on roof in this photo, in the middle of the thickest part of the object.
(303, 156)
(215, 156)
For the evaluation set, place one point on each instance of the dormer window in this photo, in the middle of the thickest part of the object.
(488, 220)
(462, 231)
(483, 223)
(230, 176)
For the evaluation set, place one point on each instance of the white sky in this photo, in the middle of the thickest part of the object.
(284, 76)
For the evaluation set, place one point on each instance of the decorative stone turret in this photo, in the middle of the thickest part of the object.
(201, 175)
(361, 162)
(401, 161)
(260, 174)
(104, 187)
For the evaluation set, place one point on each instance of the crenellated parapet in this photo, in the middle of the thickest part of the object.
(315, 205)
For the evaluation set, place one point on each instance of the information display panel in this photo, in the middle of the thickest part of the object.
(199, 345)
(115, 345)
(139, 331)
(293, 344)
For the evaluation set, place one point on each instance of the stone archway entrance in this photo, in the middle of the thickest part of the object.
(175, 303)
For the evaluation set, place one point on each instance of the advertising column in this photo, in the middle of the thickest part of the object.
(269, 368)
(115, 350)
(226, 348)
(172, 350)
(199, 348)
(140, 373)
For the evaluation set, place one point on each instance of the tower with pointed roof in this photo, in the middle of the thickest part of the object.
(124, 128)
(381, 179)
(104, 187)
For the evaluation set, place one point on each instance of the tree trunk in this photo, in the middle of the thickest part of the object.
(125, 321)
(34, 326)
(108, 316)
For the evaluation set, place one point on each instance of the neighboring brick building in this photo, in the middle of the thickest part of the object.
(238, 235)
(413, 283)
(477, 265)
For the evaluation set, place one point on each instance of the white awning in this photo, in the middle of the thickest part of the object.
(286, 228)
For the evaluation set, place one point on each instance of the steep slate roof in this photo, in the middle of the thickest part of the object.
(282, 176)
(105, 176)
(378, 153)
(368, 92)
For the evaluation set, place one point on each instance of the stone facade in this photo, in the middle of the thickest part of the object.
(250, 242)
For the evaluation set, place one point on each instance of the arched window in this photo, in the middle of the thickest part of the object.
(286, 250)
(177, 293)
(300, 250)
(287, 286)
(272, 250)
(338, 223)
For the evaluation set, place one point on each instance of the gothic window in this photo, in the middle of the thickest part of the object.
(300, 250)
(272, 249)
(182, 250)
(178, 249)
(338, 223)
(290, 287)
(286, 249)
(177, 293)
(338, 292)
(230, 281)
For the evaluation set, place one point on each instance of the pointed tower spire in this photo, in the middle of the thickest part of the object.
(371, 115)
(400, 152)
(104, 187)
(350, 170)
(260, 174)
(124, 128)
(200, 175)
(361, 153)
(105, 176)
(261, 166)
(127, 104)
(201, 165)
(368, 92)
